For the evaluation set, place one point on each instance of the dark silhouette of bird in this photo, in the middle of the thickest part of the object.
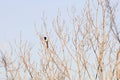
(46, 41)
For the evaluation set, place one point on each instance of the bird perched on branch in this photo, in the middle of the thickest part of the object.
(46, 41)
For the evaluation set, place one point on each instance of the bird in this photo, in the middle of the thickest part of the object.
(46, 41)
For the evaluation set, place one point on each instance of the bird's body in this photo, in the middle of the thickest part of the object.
(46, 41)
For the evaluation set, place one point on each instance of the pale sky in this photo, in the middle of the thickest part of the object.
(21, 15)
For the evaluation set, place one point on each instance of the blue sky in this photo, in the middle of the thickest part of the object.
(21, 15)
